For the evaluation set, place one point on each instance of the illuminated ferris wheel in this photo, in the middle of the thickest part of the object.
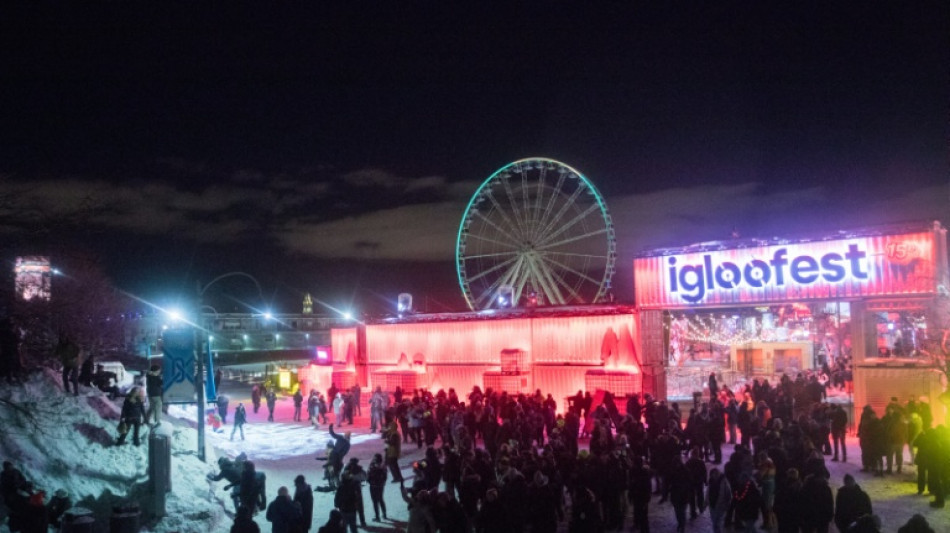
(536, 230)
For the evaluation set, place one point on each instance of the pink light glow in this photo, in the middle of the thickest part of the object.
(551, 353)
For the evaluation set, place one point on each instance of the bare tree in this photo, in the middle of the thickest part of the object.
(937, 342)
(84, 305)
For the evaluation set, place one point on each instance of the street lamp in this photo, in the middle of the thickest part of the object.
(199, 360)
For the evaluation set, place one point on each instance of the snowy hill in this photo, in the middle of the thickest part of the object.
(66, 442)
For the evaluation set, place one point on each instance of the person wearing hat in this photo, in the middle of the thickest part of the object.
(57, 506)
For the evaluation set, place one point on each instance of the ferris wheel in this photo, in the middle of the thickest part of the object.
(538, 232)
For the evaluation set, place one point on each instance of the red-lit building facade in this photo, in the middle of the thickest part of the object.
(753, 308)
(558, 350)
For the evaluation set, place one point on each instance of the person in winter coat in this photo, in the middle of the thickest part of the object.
(355, 393)
(252, 489)
(585, 513)
(748, 502)
(240, 418)
(34, 518)
(86, 371)
(871, 439)
(839, 431)
(348, 500)
(788, 503)
(916, 524)
(132, 414)
(393, 450)
(377, 409)
(544, 501)
(338, 408)
(231, 471)
(57, 507)
(313, 406)
(818, 503)
(765, 477)
(223, 408)
(491, 517)
(256, 398)
(322, 408)
(718, 498)
(895, 435)
(271, 404)
(681, 491)
(852, 503)
(298, 405)
(713, 387)
(283, 513)
(244, 521)
(338, 448)
(334, 523)
(377, 485)
(639, 492)
(355, 471)
(449, 516)
(303, 497)
(11, 481)
(69, 355)
(698, 478)
(154, 387)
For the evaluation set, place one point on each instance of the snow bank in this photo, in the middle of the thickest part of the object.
(62, 441)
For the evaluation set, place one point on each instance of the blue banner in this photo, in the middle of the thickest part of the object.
(178, 368)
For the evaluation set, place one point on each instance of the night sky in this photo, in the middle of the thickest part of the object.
(333, 150)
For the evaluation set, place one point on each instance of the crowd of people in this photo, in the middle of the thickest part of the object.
(495, 462)
(27, 507)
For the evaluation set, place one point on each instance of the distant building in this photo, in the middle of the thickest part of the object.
(33, 277)
(242, 339)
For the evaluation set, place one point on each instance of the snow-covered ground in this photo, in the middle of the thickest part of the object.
(67, 442)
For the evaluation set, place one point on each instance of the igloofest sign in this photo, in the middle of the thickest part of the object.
(844, 268)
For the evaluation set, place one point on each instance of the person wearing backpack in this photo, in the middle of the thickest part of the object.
(252, 490)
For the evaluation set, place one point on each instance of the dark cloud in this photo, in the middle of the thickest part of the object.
(670, 217)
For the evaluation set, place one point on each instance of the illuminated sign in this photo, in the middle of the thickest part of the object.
(856, 267)
(692, 281)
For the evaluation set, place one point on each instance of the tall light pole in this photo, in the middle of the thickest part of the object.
(199, 355)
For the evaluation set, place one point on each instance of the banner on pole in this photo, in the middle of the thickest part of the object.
(178, 368)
